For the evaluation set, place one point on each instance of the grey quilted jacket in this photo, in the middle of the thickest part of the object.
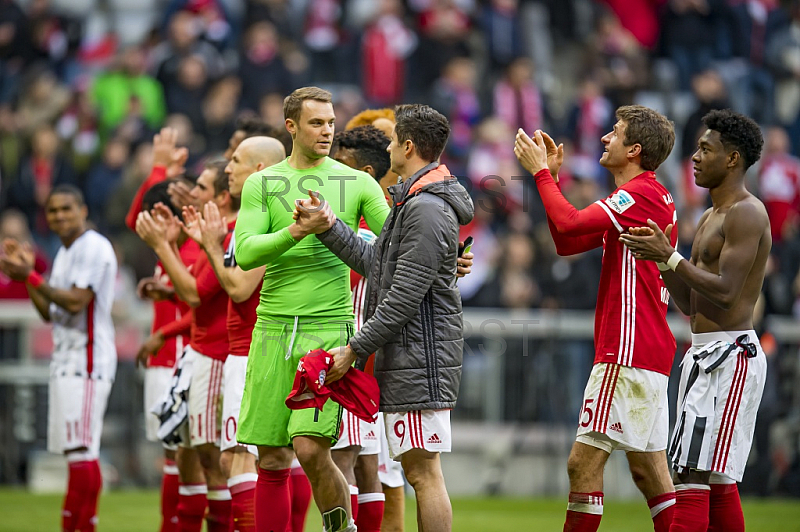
(413, 321)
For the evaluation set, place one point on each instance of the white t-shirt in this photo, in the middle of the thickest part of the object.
(84, 342)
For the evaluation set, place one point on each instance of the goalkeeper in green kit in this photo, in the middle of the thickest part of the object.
(305, 304)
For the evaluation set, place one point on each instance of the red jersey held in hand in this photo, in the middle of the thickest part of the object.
(356, 391)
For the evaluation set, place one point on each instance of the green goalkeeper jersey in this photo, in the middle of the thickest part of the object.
(302, 277)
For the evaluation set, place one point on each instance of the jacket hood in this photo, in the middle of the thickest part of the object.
(439, 181)
(456, 195)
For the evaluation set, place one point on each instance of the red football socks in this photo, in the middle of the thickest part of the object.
(370, 512)
(169, 497)
(725, 509)
(273, 501)
(301, 498)
(584, 512)
(243, 501)
(354, 502)
(661, 510)
(83, 489)
(192, 504)
(691, 508)
(218, 518)
(92, 495)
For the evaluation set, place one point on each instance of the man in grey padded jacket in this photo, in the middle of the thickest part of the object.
(413, 321)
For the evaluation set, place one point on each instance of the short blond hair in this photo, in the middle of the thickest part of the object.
(368, 116)
(293, 104)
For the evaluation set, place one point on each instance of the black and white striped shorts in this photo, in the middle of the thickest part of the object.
(722, 380)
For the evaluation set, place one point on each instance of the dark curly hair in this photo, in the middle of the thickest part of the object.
(737, 133)
(369, 147)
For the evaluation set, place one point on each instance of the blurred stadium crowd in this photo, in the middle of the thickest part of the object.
(85, 84)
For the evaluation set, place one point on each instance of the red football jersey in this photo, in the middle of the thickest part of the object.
(241, 316)
(209, 320)
(630, 319)
(358, 285)
(168, 311)
(157, 175)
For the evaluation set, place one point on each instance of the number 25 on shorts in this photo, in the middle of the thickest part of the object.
(587, 413)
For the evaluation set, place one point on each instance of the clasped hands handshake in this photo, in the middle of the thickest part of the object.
(312, 216)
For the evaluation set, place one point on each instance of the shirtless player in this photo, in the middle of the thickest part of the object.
(723, 373)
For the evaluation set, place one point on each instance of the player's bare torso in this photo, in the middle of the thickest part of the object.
(706, 249)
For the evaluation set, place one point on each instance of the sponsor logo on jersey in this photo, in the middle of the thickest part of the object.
(321, 378)
(620, 202)
(434, 439)
(616, 427)
(370, 435)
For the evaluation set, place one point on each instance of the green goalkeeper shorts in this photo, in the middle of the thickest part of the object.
(275, 352)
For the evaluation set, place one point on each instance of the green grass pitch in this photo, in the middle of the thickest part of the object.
(129, 511)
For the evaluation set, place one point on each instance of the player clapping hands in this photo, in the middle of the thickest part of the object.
(17, 260)
(208, 229)
(154, 290)
(158, 227)
(649, 243)
(537, 153)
